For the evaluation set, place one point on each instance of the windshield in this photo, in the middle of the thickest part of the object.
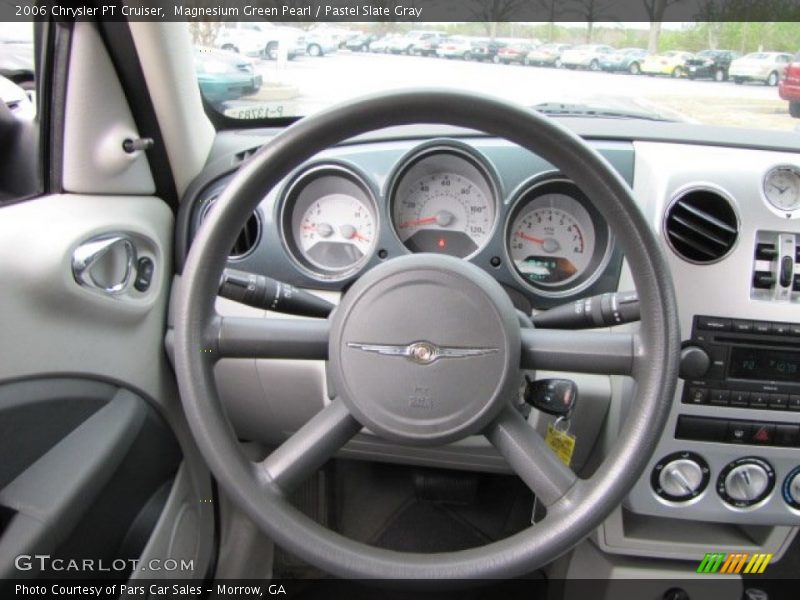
(280, 70)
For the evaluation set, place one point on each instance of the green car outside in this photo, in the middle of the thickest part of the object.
(626, 60)
(224, 76)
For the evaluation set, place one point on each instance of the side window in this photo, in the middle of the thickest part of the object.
(18, 119)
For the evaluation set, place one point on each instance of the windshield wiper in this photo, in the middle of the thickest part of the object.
(563, 109)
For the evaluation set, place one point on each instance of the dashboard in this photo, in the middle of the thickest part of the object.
(485, 201)
(725, 205)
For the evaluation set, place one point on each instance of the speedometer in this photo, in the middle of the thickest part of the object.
(556, 240)
(444, 201)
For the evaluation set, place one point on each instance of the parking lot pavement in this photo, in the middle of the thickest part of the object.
(330, 79)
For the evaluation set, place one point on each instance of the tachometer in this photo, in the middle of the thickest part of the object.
(330, 221)
(444, 202)
(555, 243)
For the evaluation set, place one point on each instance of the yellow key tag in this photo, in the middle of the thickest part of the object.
(560, 442)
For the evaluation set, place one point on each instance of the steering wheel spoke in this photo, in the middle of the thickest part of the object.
(529, 456)
(309, 447)
(580, 351)
(247, 337)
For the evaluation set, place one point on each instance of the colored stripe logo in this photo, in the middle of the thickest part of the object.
(734, 564)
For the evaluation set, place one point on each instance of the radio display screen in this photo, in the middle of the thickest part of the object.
(764, 365)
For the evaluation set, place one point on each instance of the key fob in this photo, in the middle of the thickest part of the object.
(552, 396)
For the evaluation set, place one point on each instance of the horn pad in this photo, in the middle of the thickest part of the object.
(425, 349)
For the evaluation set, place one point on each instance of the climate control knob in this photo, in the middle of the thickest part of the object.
(679, 477)
(746, 482)
(791, 488)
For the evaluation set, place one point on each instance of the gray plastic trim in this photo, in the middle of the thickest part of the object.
(51, 495)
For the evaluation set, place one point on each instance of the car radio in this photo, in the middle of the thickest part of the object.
(741, 364)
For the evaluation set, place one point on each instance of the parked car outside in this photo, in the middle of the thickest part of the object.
(711, 64)
(320, 42)
(16, 99)
(16, 54)
(360, 43)
(428, 43)
(261, 39)
(547, 55)
(585, 56)
(381, 44)
(625, 60)
(765, 67)
(487, 49)
(672, 63)
(223, 75)
(405, 44)
(457, 46)
(789, 86)
(515, 52)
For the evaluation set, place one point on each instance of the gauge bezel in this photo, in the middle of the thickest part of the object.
(287, 205)
(781, 212)
(460, 151)
(527, 193)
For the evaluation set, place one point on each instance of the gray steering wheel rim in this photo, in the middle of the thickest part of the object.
(589, 501)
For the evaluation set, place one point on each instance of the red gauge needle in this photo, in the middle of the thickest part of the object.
(530, 238)
(417, 222)
(358, 236)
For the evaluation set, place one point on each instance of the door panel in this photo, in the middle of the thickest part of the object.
(102, 461)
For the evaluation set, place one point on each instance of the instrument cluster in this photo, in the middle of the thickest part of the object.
(444, 198)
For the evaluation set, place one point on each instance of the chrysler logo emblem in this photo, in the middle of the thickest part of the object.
(423, 353)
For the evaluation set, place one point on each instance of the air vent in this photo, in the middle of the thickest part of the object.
(242, 156)
(701, 225)
(248, 237)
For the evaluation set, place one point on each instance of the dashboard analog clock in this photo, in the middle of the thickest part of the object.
(444, 201)
(329, 221)
(556, 241)
(782, 188)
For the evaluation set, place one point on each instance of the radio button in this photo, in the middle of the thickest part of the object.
(759, 400)
(740, 399)
(779, 401)
(720, 397)
(694, 362)
(714, 323)
(697, 395)
(787, 435)
(742, 326)
(780, 329)
(739, 432)
(762, 327)
(794, 402)
(794, 329)
(701, 429)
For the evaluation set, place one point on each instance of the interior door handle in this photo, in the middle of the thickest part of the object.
(106, 263)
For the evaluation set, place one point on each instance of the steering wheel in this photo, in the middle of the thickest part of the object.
(447, 369)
